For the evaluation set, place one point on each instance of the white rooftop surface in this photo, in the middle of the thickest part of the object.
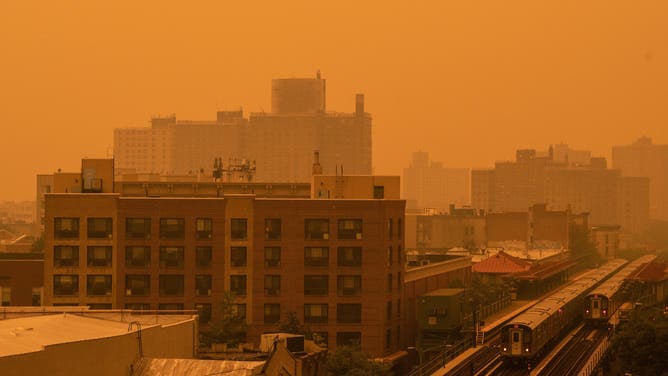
(30, 334)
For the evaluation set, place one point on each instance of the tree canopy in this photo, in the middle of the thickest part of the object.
(350, 361)
(641, 345)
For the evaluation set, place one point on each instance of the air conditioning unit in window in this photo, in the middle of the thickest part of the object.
(128, 292)
(325, 236)
(358, 236)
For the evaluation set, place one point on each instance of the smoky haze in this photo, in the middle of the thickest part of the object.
(468, 81)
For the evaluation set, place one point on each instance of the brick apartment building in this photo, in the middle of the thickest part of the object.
(336, 263)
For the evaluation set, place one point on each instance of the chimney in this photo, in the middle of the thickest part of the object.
(317, 168)
(359, 105)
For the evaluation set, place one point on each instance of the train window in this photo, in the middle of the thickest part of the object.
(595, 302)
(516, 337)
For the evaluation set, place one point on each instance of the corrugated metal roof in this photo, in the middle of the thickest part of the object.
(197, 367)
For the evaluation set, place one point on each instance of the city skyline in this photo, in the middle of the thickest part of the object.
(470, 82)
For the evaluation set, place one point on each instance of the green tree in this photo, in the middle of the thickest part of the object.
(350, 361)
(291, 324)
(38, 245)
(227, 327)
(641, 345)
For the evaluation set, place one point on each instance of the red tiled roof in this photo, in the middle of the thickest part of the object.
(501, 263)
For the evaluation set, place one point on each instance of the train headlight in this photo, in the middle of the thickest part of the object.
(526, 350)
(605, 312)
(505, 348)
(587, 312)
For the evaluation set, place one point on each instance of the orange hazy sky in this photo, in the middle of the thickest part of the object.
(469, 81)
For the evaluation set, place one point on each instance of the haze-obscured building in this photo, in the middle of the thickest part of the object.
(430, 185)
(535, 178)
(646, 159)
(278, 145)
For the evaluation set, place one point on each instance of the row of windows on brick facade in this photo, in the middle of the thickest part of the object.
(174, 228)
(173, 285)
(174, 256)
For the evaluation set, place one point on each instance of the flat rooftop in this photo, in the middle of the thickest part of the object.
(30, 334)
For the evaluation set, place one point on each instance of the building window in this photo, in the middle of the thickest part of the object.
(138, 228)
(315, 313)
(171, 257)
(399, 255)
(353, 339)
(349, 285)
(204, 312)
(272, 229)
(349, 313)
(389, 229)
(66, 228)
(388, 339)
(239, 230)
(171, 285)
(203, 256)
(350, 229)
(239, 311)
(389, 283)
(272, 257)
(99, 306)
(5, 296)
(137, 257)
(389, 310)
(36, 296)
(400, 228)
(203, 285)
(66, 285)
(272, 285)
(316, 229)
(349, 256)
(316, 256)
(378, 192)
(203, 228)
(99, 256)
(100, 228)
(137, 284)
(64, 255)
(272, 313)
(138, 306)
(316, 284)
(170, 306)
(238, 256)
(388, 257)
(399, 282)
(98, 285)
(398, 308)
(238, 284)
(172, 228)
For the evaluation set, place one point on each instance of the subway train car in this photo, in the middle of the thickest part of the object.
(602, 302)
(527, 335)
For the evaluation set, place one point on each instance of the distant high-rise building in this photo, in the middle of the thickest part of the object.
(280, 144)
(536, 177)
(429, 185)
(646, 159)
(482, 189)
